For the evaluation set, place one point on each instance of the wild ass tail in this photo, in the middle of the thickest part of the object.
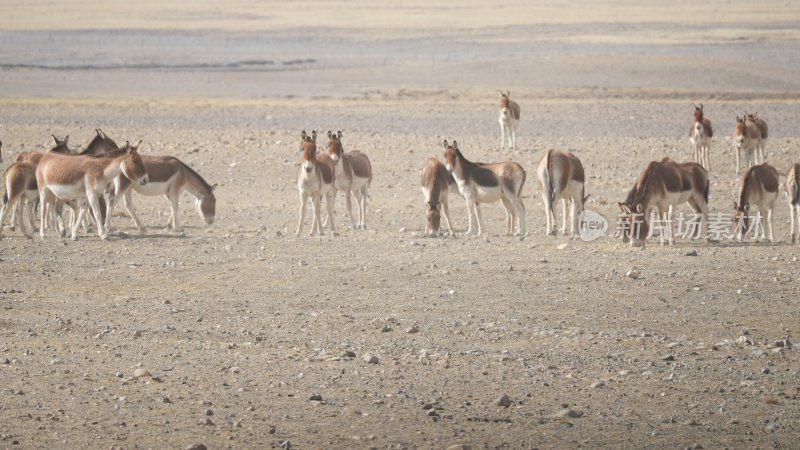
(706, 190)
(548, 173)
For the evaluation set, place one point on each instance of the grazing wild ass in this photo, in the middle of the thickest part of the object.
(662, 186)
(19, 180)
(353, 176)
(561, 177)
(758, 186)
(792, 190)
(763, 130)
(315, 180)
(84, 178)
(745, 140)
(167, 176)
(509, 119)
(435, 181)
(700, 135)
(486, 183)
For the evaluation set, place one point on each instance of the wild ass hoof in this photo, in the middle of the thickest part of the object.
(103, 237)
(12, 228)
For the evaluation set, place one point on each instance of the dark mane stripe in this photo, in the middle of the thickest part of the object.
(196, 175)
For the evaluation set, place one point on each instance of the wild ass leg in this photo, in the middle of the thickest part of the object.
(769, 223)
(707, 155)
(509, 216)
(471, 215)
(573, 228)
(446, 214)
(303, 201)
(94, 202)
(349, 203)
(3, 210)
(316, 223)
(328, 215)
(513, 130)
(362, 210)
(670, 228)
(502, 135)
(563, 216)
(127, 203)
(329, 208)
(548, 211)
(173, 200)
(76, 224)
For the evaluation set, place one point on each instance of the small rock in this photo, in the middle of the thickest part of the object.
(765, 370)
(413, 329)
(348, 354)
(432, 413)
(315, 398)
(571, 413)
(690, 422)
(459, 447)
(197, 447)
(673, 344)
(668, 358)
(597, 384)
(633, 274)
(386, 329)
(625, 372)
(562, 246)
(692, 253)
(209, 412)
(370, 358)
(139, 373)
(286, 445)
(503, 400)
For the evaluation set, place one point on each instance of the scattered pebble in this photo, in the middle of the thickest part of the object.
(370, 358)
(140, 372)
(503, 400)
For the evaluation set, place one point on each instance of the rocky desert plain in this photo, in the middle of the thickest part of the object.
(241, 335)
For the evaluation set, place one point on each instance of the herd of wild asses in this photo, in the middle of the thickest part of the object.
(81, 178)
(95, 178)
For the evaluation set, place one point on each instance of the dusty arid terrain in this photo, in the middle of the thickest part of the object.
(241, 335)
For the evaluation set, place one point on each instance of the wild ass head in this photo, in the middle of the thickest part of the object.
(308, 150)
(505, 101)
(451, 155)
(335, 150)
(633, 223)
(698, 112)
(207, 205)
(740, 131)
(740, 219)
(62, 146)
(434, 217)
(133, 165)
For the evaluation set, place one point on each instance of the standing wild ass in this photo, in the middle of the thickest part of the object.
(746, 137)
(509, 119)
(167, 176)
(435, 181)
(84, 178)
(792, 190)
(700, 135)
(662, 186)
(561, 177)
(19, 180)
(763, 130)
(315, 180)
(758, 186)
(486, 183)
(353, 176)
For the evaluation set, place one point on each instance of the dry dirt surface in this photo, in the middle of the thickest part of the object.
(242, 335)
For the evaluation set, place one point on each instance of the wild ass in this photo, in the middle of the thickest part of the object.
(167, 176)
(662, 186)
(486, 183)
(353, 175)
(435, 181)
(509, 119)
(758, 186)
(84, 178)
(19, 180)
(792, 190)
(700, 135)
(561, 177)
(315, 179)
(745, 139)
(763, 130)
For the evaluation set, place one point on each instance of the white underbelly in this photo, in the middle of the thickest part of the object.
(68, 191)
(151, 188)
(486, 194)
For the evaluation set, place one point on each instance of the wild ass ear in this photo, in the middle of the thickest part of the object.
(55, 139)
(455, 145)
(66, 140)
(214, 187)
(303, 135)
(314, 135)
(135, 148)
(624, 208)
(330, 135)
(339, 134)
(508, 93)
(586, 198)
(445, 143)
(701, 107)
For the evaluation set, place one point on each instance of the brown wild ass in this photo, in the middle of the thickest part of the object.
(700, 135)
(435, 181)
(758, 186)
(167, 176)
(19, 180)
(509, 119)
(662, 186)
(315, 180)
(745, 140)
(561, 177)
(353, 176)
(84, 178)
(487, 183)
(792, 190)
(763, 130)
